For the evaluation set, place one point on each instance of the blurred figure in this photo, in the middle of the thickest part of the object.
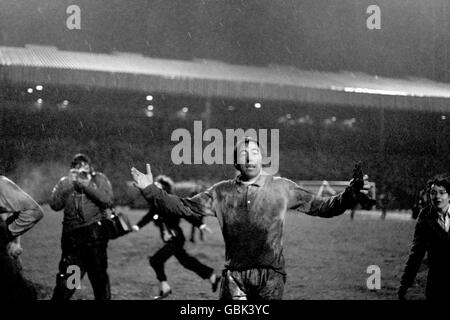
(431, 236)
(326, 190)
(423, 200)
(193, 227)
(84, 195)
(366, 204)
(19, 212)
(173, 237)
(383, 200)
(194, 231)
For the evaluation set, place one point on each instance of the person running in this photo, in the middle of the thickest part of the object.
(173, 237)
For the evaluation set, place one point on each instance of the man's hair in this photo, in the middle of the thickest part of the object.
(78, 159)
(245, 141)
(166, 183)
(442, 180)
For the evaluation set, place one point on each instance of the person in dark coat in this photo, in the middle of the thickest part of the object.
(85, 195)
(431, 236)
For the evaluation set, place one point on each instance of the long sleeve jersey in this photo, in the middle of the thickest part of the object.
(25, 211)
(251, 216)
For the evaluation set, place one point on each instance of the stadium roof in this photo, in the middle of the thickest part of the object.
(129, 71)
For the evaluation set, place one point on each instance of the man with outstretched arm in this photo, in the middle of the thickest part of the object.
(251, 210)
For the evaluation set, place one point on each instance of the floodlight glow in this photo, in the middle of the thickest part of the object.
(377, 91)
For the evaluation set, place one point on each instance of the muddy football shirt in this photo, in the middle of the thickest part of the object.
(251, 216)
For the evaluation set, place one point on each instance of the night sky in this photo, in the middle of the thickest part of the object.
(325, 35)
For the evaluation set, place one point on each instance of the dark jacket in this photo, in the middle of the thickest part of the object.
(83, 205)
(168, 224)
(430, 238)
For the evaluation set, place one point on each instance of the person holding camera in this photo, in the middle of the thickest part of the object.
(85, 195)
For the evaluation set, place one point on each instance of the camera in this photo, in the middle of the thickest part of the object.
(80, 173)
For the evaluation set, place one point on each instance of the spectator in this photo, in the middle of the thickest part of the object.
(431, 236)
(84, 195)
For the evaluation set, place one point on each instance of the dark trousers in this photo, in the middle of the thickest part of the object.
(92, 259)
(174, 247)
(252, 284)
(13, 286)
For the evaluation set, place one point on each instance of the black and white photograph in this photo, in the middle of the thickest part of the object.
(223, 150)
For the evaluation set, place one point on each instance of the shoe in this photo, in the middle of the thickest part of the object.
(215, 284)
(163, 295)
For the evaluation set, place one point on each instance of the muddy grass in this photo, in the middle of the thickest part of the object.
(325, 259)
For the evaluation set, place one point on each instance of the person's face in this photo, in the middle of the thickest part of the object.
(439, 197)
(84, 170)
(249, 160)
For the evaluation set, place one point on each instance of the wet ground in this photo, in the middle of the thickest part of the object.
(325, 258)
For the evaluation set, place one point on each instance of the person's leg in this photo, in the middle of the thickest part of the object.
(271, 285)
(13, 286)
(97, 266)
(158, 260)
(61, 290)
(192, 263)
(232, 287)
